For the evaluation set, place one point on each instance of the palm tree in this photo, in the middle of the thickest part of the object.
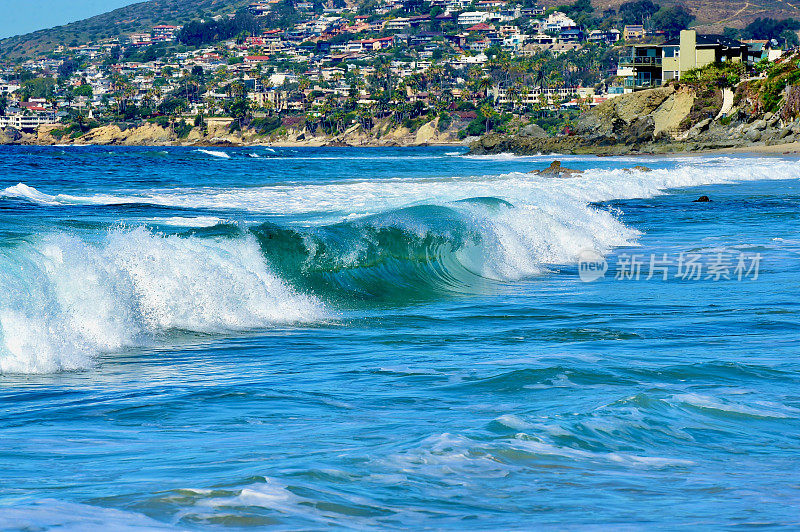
(70, 97)
(513, 94)
(484, 84)
(489, 113)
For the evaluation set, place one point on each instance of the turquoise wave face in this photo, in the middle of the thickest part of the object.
(388, 338)
(410, 254)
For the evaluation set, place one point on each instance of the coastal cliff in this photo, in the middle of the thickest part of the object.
(670, 119)
(384, 133)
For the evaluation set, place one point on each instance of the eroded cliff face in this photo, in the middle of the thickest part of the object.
(661, 120)
(150, 134)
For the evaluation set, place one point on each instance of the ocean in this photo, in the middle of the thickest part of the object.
(304, 338)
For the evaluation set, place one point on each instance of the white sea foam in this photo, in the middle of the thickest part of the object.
(551, 224)
(190, 221)
(23, 191)
(64, 300)
(466, 457)
(66, 516)
(216, 153)
(759, 409)
(74, 299)
(357, 197)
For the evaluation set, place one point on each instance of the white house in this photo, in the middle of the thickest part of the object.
(557, 21)
(470, 18)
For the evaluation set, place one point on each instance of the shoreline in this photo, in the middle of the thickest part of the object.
(792, 148)
(475, 145)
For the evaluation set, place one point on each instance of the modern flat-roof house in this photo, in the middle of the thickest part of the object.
(696, 51)
(655, 64)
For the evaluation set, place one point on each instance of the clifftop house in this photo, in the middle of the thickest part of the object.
(655, 64)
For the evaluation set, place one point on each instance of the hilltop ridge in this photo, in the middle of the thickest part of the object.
(115, 24)
(711, 16)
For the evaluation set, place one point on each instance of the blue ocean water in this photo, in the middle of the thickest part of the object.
(396, 338)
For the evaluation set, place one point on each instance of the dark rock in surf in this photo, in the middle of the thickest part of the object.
(702, 199)
(556, 170)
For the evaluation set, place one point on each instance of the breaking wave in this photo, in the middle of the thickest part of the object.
(65, 300)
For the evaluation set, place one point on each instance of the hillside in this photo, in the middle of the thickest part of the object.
(714, 15)
(115, 23)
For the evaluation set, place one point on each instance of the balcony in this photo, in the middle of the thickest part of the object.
(637, 61)
(640, 83)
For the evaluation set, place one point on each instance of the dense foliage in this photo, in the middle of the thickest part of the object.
(637, 12)
(769, 28)
(197, 33)
(672, 20)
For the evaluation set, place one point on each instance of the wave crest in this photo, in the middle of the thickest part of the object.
(65, 300)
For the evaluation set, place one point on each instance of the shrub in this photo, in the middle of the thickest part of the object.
(445, 119)
(265, 126)
(717, 75)
(182, 129)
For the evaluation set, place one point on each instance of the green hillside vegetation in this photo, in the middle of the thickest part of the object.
(117, 23)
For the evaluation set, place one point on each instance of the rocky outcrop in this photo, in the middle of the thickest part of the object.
(617, 115)
(533, 130)
(654, 121)
(10, 135)
(556, 170)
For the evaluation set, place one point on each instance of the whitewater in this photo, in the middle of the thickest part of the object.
(392, 338)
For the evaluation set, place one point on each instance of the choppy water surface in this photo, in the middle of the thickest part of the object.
(387, 338)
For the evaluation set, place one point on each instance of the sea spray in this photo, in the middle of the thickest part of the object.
(64, 300)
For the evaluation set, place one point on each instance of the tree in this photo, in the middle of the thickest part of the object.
(484, 84)
(38, 88)
(489, 114)
(672, 20)
(581, 11)
(70, 97)
(789, 38)
(637, 12)
(68, 67)
(238, 108)
(83, 90)
(730, 33)
(198, 72)
(769, 28)
(196, 32)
